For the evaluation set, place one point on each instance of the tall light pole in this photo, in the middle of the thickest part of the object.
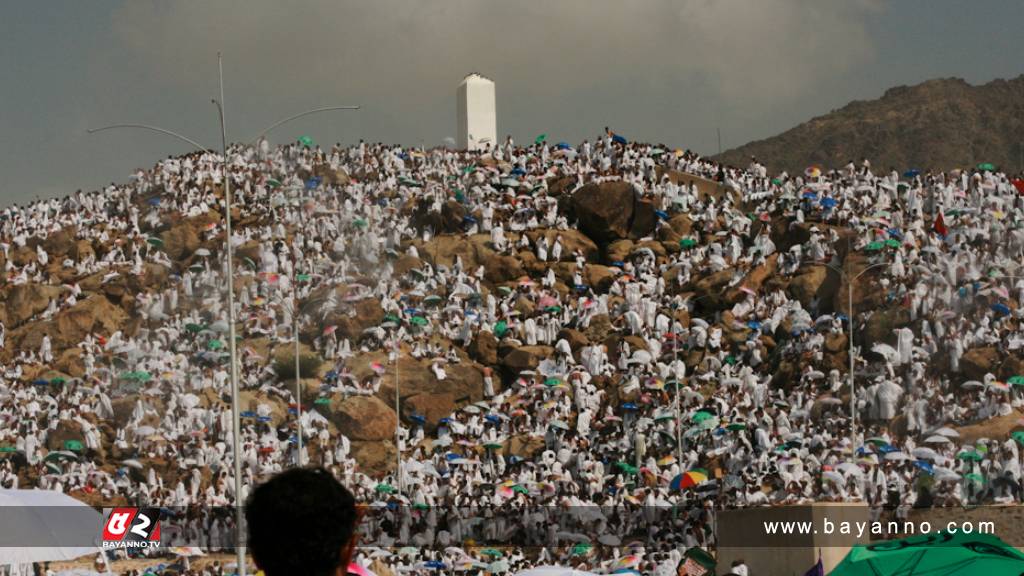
(235, 400)
(849, 292)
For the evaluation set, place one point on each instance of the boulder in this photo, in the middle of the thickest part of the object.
(432, 407)
(484, 348)
(364, 418)
(66, 430)
(977, 362)
(599, 278)
(572, 240)
(26, 300)
(575, 338)
(809, 285)
(525, 357)
(183, 239)
(612, 211)
(619, 250)
(60, 243)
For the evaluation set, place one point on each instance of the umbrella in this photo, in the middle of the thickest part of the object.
(540, 138)
(1001, 309)
(385, 488)
(618, 139)
(874, 246)
(419, 321)
(970, 455)
(306, 141)
(1018, 436)
(947, 432)
(687, 243)
(949, 554)
(937, 439)
(1017, 380)
(689, 479)
(812, 172)
(626, 467)
(987, 166)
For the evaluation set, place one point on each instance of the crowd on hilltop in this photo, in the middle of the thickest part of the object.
(674, 368)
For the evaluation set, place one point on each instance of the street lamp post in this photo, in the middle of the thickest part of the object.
(850, 281)
(235, 400)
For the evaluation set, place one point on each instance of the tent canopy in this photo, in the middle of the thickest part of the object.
(936, 554)
(46, 526)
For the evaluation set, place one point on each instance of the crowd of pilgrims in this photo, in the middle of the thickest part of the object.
(635, 428)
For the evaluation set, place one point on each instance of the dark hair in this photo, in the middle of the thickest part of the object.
(299, 522)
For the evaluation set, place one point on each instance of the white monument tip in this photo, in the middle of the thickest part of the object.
(477, 118)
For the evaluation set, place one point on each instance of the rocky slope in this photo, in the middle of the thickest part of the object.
(940, 124)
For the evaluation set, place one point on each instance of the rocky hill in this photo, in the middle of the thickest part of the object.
(940, 124)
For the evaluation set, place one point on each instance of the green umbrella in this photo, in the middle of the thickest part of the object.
(249, 262)
(736, 426)
(874, 246)
(469, 169)
(582, 549)
(273, 183)
(360, 223)
(419, 506)
(58, 381)
(493, 445)
(701, 416)
(520, 489)
(776, 182)
(6, 449)
(322, 401)
(970, 455)
(432, 299)
(877, 441)
(500, 328)
(626, 467)
(214, 345)
(73, 445)
(1017, 380)
(491, 552)
(419, 321)
(154, 241)
(987, 166)
(306, 141)
(385, 488)
(303, 277)
(974, 477)
(540, 138)
(193, 328)
(553, 309)
(959, 554)
(687, 242)
(1018, 436)
(893, 243)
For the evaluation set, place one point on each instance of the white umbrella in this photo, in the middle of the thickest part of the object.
(850, 468)
(833, 476)
(897, 456)
(937, 439)
(947, 431)
(202, 252)
(925, 453)
(972, 385)
(132, 464)
(46, 526)
(609, 540)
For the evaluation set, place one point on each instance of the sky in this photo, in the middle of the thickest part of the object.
(671, 71)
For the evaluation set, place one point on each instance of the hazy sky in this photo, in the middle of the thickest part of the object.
(658, 70)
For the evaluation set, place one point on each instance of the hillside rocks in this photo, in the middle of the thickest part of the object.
(611, 211)
(364, 418)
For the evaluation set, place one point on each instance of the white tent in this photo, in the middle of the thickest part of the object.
(46, 526)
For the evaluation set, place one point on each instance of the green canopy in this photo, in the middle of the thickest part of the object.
(540, 138)
(385, 488)
(303, 277)
(73, 445)
(687, 243)
(987, 166)
(893, 243)
(419, 321)
(936, 554)
(520, 489)
(214, 345)
(306, 141)
(582, 549)
(874, 246)
(552, 382)
(491, 552)
(970, 455)
(322, 401)
(1017, 380)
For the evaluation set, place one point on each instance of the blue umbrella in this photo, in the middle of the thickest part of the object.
(619, 139)
(312, 182)
(618, 263)
(263, 418)
(828, 202)
(469, 219)
(445, 420)
(1001, 309)
(911, 173)
(754, 325)
(418, 418)
(895, 232)
(563, 146)
(154, 201)
(452, 456)
(518, 171)
(492, 418)
(435, 564)
(582, 287)
(661, 214)
(629, 406)
(925, 465)
(41, 382)
(248, 414)
(811, 195)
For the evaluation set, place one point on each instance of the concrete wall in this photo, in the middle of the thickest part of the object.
(741, 535)
(476, 113)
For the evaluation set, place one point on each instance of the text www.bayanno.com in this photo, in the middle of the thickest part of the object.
(875, 530)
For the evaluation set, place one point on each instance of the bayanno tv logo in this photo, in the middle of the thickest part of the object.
(132, 528)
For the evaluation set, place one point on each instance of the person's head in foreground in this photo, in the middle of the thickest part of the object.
(302, 522)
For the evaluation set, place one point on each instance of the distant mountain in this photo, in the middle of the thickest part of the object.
(936, 125)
